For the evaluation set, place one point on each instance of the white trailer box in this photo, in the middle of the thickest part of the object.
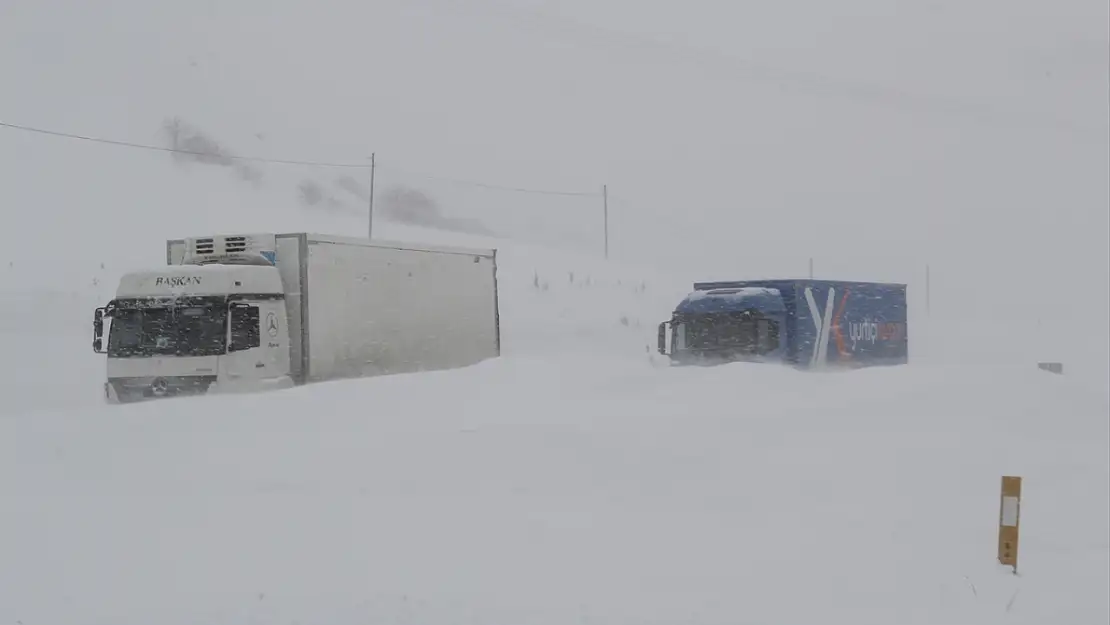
(359, 307)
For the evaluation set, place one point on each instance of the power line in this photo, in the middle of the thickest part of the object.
(484, 185)
(259, 159)
(142, 146)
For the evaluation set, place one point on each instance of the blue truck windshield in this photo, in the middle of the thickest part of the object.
(199, 329)
(736, 332)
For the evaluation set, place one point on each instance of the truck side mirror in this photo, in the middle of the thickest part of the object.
(98, 331)
(663, 337)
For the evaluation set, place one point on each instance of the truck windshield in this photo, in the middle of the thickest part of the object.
(735, 332)
(199, 329)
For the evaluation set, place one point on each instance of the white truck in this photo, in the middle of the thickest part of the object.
(232, 313)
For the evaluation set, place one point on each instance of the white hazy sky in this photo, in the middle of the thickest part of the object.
(734, 137)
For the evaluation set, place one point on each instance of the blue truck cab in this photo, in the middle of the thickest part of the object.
(807, 324)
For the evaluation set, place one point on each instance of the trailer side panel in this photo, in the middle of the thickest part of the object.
(375, 309)
(851, 324)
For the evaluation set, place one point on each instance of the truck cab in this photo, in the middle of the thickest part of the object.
(214, 321)
(720, 325)
(806, 324)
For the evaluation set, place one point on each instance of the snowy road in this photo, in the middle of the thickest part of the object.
(564, 489)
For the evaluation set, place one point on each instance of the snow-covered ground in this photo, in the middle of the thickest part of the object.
(582, 487)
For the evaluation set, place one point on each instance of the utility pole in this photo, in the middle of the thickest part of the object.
(928, 292)
(370, 214)
(811, 268)
(605, 211)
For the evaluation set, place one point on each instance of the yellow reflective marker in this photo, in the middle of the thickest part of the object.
(1009, 517)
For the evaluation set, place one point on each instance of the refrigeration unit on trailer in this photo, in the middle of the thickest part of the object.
(802, 323)
(259, 311)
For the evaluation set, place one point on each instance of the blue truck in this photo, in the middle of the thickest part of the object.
(808, 324)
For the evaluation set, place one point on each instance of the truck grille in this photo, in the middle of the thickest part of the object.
(152, 387)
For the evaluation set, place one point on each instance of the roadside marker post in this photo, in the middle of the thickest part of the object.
(1009, 520)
